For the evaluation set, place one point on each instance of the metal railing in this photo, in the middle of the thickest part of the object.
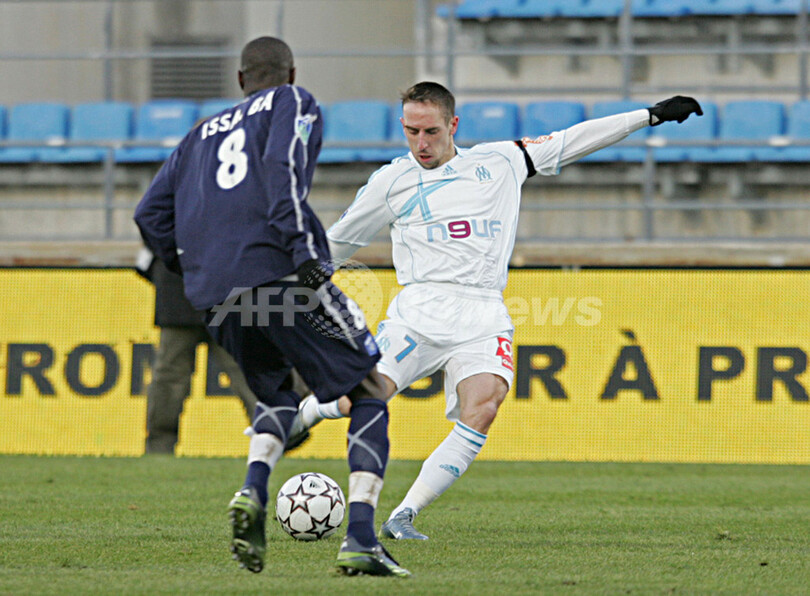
(626, 50)
(649, 203)
(450, 50)
(447, 47)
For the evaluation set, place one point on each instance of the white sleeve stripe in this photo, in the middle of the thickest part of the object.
(299, 216)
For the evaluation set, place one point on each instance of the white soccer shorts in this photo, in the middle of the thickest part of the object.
(461, 334)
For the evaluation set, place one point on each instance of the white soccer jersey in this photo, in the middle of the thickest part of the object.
(457, 223)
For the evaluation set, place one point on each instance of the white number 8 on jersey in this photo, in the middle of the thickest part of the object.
(233, 161)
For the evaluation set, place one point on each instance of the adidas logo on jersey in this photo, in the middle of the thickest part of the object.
(448, 171)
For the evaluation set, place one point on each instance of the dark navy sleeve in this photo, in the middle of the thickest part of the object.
(155, 213)
(289, 157)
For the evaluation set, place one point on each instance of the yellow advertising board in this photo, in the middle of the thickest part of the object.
(610, 365)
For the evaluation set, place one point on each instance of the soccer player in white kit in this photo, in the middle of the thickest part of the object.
(453, 217)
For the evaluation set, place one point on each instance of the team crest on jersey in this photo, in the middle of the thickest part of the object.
(483, 174)
(537, 141)
(505, 352)
(370, 345)
(303, 126)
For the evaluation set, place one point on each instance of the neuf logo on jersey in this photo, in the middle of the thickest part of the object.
(464, 228)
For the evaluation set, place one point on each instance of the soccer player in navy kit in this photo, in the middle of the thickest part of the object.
(228, 209)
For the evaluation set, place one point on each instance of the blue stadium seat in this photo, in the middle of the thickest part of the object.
(488, 121)
(356, 122)
(164, 121)
(618, 152)
(579, 9)
(798, 128)
(209, 107)
(680, 8)
(721, 7)
(100, 121)
(396, 134)
(489, 9)
(534, 9)
(653, 8)
(665, 8)
(41, 122)
(544, 117)
(481, 9)
(583, 9)
(697, 128)
(776, 7)
(748, 120)
(325, 116)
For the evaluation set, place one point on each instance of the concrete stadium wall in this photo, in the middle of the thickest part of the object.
(64, 206)
(69, 29)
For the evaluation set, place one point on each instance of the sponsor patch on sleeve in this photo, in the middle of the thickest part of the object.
(537, 140)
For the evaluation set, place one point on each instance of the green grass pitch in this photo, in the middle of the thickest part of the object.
(157, 525)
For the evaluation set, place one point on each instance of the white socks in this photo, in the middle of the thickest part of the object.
(313, 411)
(266, 448)
(444, 466)
(365, 487)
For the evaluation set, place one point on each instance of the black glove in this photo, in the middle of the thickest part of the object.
(312, 274)
(675, 108)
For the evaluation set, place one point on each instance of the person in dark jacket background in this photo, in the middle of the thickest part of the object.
(182, 329)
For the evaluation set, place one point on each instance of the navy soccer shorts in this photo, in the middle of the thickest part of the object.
(272, 328)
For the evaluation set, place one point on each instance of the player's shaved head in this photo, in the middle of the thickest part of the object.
(266, 62)
(429, 92)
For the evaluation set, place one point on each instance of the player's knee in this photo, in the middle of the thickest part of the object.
(373, 386)
(481, 413)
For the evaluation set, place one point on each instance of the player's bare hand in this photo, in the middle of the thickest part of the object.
(676, 109)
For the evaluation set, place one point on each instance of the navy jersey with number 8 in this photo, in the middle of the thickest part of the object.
(229, 205)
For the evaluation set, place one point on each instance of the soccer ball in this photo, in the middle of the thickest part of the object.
(310, 506)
